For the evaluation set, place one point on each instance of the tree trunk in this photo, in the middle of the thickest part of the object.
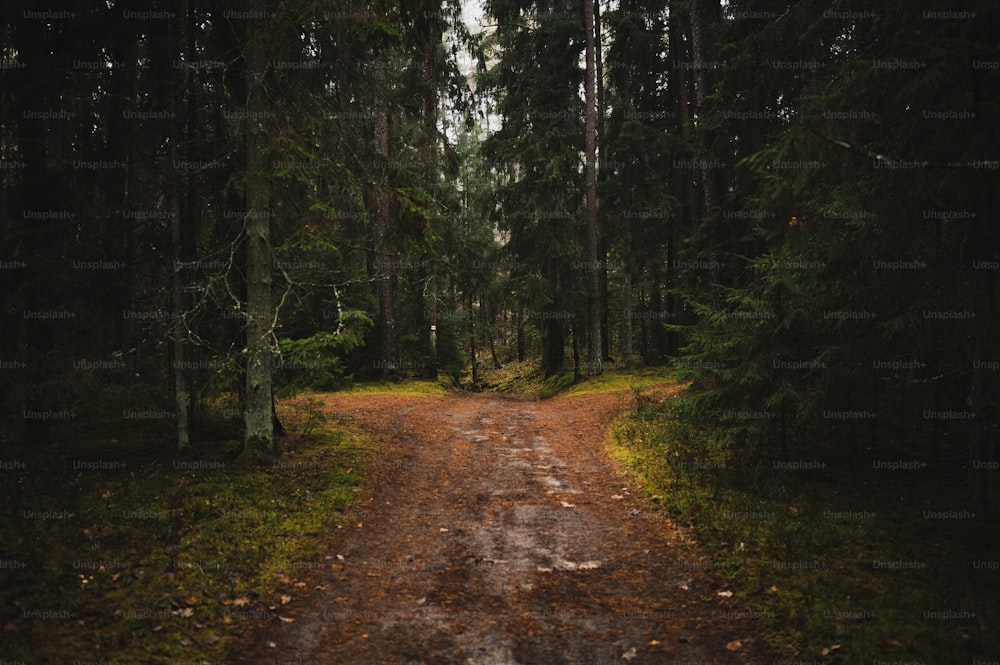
(178, 330)
(655, 325)
(670, 311)
(32, 46)
(708, 183)
(178, 327)
(574, 332)
(432, 38)
(121, 145)
(432, 340)
(683, 109)
(521, 351)
(553, 338)
(258, 415)
(493, 352)
(472, 343)
(595, 355)
(602, 223)
(10, 325)
(643, 327)
(690, 200)
(627, 311)
(384, 267)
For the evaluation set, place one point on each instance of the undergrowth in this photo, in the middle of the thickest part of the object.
(527, 378)
(834, 563)
(143, 556)
(414, 387)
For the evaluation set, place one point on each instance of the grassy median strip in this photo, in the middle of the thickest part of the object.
(830, 562)
(148, 557)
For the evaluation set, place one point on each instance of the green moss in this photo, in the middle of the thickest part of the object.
(413, 387)
(619, 379)
(521, 377)
(555, 384)
(168, 559)
(798, 568)
(527, 378)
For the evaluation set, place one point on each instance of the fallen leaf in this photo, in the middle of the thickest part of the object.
(724, 594)
(286, 619)
(444, 530)
(285, 599)
(242, 601)
(894, 643)
(617, 496)
(830, 649)
(567, 505)
(735, 645)
(422, 600)
(654, 642)
(630, 654)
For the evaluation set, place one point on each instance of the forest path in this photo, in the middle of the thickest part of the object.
(498, 532)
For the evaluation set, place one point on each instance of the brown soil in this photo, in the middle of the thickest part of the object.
(498, 532)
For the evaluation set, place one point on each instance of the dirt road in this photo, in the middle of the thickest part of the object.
(499, 533)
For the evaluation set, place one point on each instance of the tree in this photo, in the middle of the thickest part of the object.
(259, 426)
(832, 295)
(536, 81)
(596, 355)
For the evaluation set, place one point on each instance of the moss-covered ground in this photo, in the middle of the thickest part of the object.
(117, 549)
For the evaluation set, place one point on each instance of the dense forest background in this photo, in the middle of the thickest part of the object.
(792, 203)
(208, 207)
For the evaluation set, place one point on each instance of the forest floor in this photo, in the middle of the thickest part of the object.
(497, 531)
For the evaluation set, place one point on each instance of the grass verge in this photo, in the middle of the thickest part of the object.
(142, 556)
(412, 387)
(834, 563)
(611, 380)
(527, 378)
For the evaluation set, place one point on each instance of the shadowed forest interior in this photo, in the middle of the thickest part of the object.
(215, 214)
